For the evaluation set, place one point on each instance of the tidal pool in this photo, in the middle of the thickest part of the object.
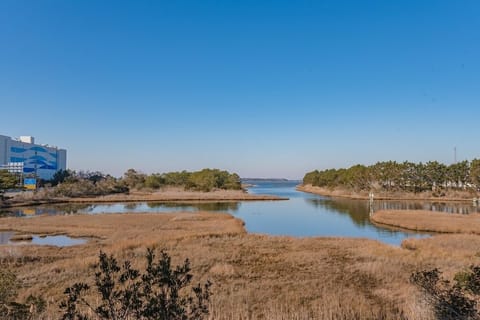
(57, 240)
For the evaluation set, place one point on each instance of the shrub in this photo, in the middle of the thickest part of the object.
(456, 300)
(9, 308)
(124, 293)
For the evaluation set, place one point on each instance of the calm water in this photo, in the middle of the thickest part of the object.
(304, 215)
(59, 241)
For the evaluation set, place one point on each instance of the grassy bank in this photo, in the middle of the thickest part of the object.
(165, 194)
(422, 220)
(462, 196)
(255, 276)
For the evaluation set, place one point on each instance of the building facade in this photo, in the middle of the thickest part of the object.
(23, 155)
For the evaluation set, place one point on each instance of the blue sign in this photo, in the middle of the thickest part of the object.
(30, 183)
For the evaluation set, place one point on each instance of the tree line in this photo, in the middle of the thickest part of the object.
(405, 176)
(71, 183)
(203, 180)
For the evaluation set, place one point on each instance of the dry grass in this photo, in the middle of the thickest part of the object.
(254, 276)
(179, 194)
(165, 194)
(421, 220)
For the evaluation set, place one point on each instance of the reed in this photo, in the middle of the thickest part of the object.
(254, 276)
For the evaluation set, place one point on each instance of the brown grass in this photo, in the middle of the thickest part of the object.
(179, 194)
(166, 194)
(21, 237)
(421, 220)
(254, 276)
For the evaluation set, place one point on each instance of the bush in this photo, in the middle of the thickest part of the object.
(9, 309)
(124, 293)
(451, 301)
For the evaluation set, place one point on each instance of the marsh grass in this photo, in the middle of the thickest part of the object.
(254, 276)
(422, 220)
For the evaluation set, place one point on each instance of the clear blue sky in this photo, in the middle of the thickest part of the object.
(262, 88)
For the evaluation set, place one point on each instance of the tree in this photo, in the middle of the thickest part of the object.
(435, 174)
(458, 173)
(474, 176)
(232, 182)
(7, 180)
(134, 179)
(311, 178)
(60, 176)
(154, 181)
(125, 293)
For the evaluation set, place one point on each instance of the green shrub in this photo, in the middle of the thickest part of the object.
(32, 308)
(451, 301)
(124, 293)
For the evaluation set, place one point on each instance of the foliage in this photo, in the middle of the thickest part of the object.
(209, 179)
(451, 301)
(124, 293)
(9, 309)
(406, 176)
(68, 183)
(475, 172)
(85, 187)
(7, 180)
(61, 176)
(203, 180)
(133, 179)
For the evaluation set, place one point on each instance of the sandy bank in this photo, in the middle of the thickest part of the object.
(168, 194)
(425, 196)
(429, 221)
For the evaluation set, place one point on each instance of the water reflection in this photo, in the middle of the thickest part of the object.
(200, 206)
(134, 207)
(70, 208)
(357, 211)
(447, 207)
(131, 206)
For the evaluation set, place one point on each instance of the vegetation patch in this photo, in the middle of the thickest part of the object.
(429, 221)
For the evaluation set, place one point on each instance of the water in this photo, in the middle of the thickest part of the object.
(304, 215)
(59, 241)
(309, 215)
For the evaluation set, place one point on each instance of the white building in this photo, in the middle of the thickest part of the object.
(33, 159)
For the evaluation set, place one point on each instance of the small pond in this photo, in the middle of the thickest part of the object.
(57, 240)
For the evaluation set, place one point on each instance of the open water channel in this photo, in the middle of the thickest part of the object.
(303, 215)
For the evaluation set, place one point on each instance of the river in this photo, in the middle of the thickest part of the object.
(303, 215)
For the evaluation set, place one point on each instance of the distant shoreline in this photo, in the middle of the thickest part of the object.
(168, 195)
(381, 196)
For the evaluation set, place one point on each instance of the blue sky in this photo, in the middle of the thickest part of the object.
(262, 88)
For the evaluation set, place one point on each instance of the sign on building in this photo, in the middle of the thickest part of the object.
(30, 183)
